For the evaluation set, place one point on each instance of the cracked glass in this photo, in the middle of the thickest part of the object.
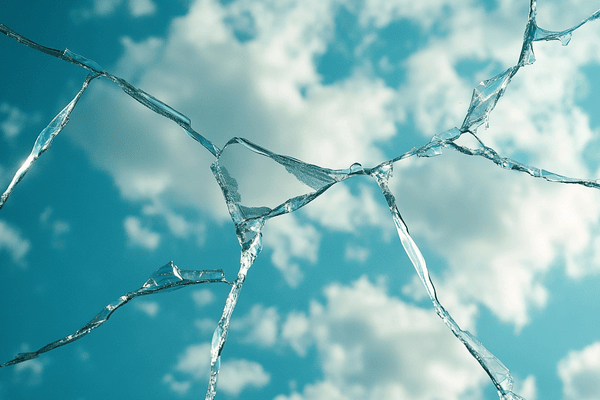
(241, 166)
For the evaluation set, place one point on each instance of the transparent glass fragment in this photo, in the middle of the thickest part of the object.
(484, 99)
(82, 61)
(166, 278)
(44, 140)
(258, 180)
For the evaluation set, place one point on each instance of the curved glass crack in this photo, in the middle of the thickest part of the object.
(249, 221)
(166, 278)
(44, 140)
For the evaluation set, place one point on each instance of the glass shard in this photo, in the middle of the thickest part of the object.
(44, 140)
(484, 99)
(166, 278)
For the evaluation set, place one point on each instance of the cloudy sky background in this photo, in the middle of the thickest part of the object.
(332, 308)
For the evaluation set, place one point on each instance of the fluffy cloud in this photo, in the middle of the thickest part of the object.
(203, 297)
(290, 240)
(105, 8)
(13, 120)
(195, 361)
(342, 210)
(13, 242)
(29, 372)
(206, 325)
(526, 388)
(381, 13)
(58, 227)
(99, 8)
(150, 308)
(356, 253)
(194, 367)
(140, 236)
(375, 346)
(178, 225)
(296, 332)
(500, 232)
(139, 8)
(236, 375)
(318, 391)
(259, 326)
(580, 373)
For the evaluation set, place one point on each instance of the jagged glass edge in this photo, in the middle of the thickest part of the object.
(166, 278)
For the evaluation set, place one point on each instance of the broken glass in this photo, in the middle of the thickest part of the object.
(249, 218)
(166, 278)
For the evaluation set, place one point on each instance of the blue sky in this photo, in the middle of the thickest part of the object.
(332, 308)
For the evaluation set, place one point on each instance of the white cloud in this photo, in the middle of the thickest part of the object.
(434, 91)
(526, 388)
(203, 297)
(83, 354)
(512, 227)
(29, 372)
(340, 209)
(291, 241)
(195, 361)
(15, 120)
(106, 8)
(318, 391)
(259, 326)
(150, 308)
(580, 373)
(356, 253)
(500, 232)
(205, 325)
(58, 227)
(13, 242)
(178, 225)
(150, 184)
(235, 375)
(98, 8)
(179, 387)
(295, 331)
(140, 8)
(375, 346)
(140, 236)
(139, 55)
(380, 12)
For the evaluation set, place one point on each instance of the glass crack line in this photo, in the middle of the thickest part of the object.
(166, 278)
(250, 220)
(498, 373)
(44, 140)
